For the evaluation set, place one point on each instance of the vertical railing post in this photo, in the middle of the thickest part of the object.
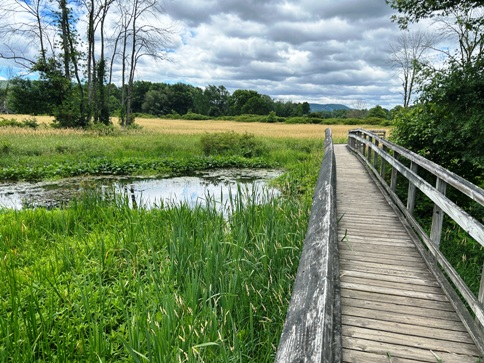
(375, 155)
(412, 190)
(438, 216)
(393, 181)
(480, 297)
(363, 151)
(383, 165)
(370, 150)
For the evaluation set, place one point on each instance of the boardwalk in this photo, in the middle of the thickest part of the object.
(392, 308)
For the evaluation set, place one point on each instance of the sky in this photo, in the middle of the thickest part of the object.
(323, 51)
(319, 51)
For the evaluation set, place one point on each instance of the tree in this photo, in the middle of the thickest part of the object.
(446, 123)
(412, 11)
(139, 34)
(378, 111)
(407, 58)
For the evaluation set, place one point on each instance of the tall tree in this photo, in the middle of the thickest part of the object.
(140, 34)
(407, 57)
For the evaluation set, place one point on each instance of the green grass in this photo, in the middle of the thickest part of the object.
(98, 281)
(37, 155)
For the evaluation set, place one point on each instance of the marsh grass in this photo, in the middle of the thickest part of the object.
(99, 281)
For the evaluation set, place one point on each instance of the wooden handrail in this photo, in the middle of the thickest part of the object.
(379, 153)
(312, 330)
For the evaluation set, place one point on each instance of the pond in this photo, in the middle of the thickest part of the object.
(216, 185)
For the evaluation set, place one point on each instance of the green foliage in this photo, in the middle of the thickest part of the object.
(231, 143)
(29, 123)
(378, 112)
(194, 116)
(446, 126)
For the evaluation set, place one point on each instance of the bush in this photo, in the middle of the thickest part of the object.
(28, 123)
(194, 116)
(231, 143)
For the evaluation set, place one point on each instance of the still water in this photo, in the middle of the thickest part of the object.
(216, 185)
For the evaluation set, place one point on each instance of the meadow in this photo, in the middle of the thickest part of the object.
(98, 281)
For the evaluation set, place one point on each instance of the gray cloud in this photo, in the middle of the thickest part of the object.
(300, 50)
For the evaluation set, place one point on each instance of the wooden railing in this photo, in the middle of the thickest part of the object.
(380, 155)
(312, 330)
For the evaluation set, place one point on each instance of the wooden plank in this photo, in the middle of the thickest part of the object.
(417, 341)
(357, 356)
(415, 280)
(395, 284)
(403, 316)
(405, 352)
(396, 299)
(416, 311)
(391, 291)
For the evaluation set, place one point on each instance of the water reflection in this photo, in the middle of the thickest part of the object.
(218, 185)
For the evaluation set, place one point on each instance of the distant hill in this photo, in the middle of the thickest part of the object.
(316, 107)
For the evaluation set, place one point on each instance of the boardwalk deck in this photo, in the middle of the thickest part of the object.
(393, 310)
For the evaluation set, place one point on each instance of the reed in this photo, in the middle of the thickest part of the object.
(99, 281)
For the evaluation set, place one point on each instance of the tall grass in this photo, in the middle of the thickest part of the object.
(101, 282)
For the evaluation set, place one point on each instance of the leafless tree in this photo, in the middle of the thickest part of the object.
(139, 34)
(406, 55)
(25, 22)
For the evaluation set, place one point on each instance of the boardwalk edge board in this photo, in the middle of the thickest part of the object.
(312, 330)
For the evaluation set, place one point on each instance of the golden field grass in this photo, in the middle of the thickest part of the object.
(191, 127)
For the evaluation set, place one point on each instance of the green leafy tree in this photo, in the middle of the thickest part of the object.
(446, 126)
(378, 111)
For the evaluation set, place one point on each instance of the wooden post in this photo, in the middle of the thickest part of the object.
(383, 165)
(481, 296)
(364, 146)
(438, 216)
(393, 182)
(375, 155)
(370, 150)
(412, 190)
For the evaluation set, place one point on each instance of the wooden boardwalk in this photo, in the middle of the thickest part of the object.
(393, 310)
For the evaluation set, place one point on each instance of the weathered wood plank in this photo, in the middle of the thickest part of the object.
(401, 351)
(310, 331)
(410, 310)
(396, 299)
(403, 316)
(413, 341)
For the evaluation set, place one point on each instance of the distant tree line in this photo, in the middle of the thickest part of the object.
(38, 97)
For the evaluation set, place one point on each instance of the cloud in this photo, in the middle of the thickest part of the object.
(300, 50)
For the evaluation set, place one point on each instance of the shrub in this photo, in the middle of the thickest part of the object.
(30, 123)
(194, 116)
(231, 143)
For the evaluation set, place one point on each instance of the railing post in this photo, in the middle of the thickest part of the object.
(480, 297)
(370, 150)
(412, 190)
(393, 181)
(438, 216)
(383, 165)
(375, 155)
